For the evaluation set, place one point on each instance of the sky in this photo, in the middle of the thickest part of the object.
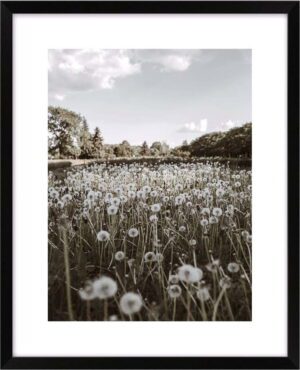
(153, 94)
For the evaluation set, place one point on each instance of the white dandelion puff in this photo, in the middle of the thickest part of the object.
(112, 210)
(119, 256)
(204, 222)
(217, 212)
(182, 229)
(131, 303)
(179, 200)
(103, 236)
(87, 293)
(149, 257)
(213, 266)
(60, 205)
(115, 202)
(133, 232)
(105, 287)
(173, 279)
(155, 207)
(159, 257)
(225, 282)
(189, 274)
(66, 198)
(153, 218)
(179, 187)
(213, 220)
(131, 194)
(147, 189)
(174, 291)
(203, 294)
(233, 267)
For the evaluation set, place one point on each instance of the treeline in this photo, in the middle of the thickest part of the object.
(69, 137)
(235, 143)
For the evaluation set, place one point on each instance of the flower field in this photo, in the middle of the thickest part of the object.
(150, 242)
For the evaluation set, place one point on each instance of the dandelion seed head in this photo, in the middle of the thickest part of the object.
(159, 257)
(131, 303)
(182, 229)
(213, 220)
(204, 222)
(87, 293)
(119, 256)
(153, 218)
(155, 207)
(173, 279)
(203, 294)
(133, 232)
(213, 266)
(105, 287)
(60, 205)
(225, 282)
(103, 236)
(174, 291)
(233, 267)
(112, 210)
(189, 274)
(149, 257)
(217, 212)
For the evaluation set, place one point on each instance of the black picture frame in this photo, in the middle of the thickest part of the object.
(8, 9)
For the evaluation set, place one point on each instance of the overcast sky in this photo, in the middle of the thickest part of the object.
(165, 95)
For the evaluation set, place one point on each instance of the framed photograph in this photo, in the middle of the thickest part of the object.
(150, 178)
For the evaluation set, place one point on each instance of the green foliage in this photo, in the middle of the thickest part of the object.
(69, 136)
(145, 151)
(180, 153)
(160, 148)
(86, 145)
(64, 128)
(97, 143)
(236, 142)
(123, 150)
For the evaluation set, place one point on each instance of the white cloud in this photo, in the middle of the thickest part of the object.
(225, 126)
(192, 127)
(175, 62)
(167, 60)
(87, 70)
(79, 70)
(59, 97)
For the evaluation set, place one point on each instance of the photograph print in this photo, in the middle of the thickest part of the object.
(149, 185)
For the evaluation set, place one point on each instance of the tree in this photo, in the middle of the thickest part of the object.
(157, 146)
(235, 142)
(165, 149)
(145, 149)
(160, 148)
(123, 150)
(185, 143)
(86, 146)
(97, 143)
(64, 128)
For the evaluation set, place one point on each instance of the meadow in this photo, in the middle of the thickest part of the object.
(150, 241)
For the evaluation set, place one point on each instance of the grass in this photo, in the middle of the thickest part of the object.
(150, 241)
(233, 162)
(52, 165)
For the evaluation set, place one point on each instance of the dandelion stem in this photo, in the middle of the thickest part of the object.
(174, 310)
(67, 272)
(216, 306)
